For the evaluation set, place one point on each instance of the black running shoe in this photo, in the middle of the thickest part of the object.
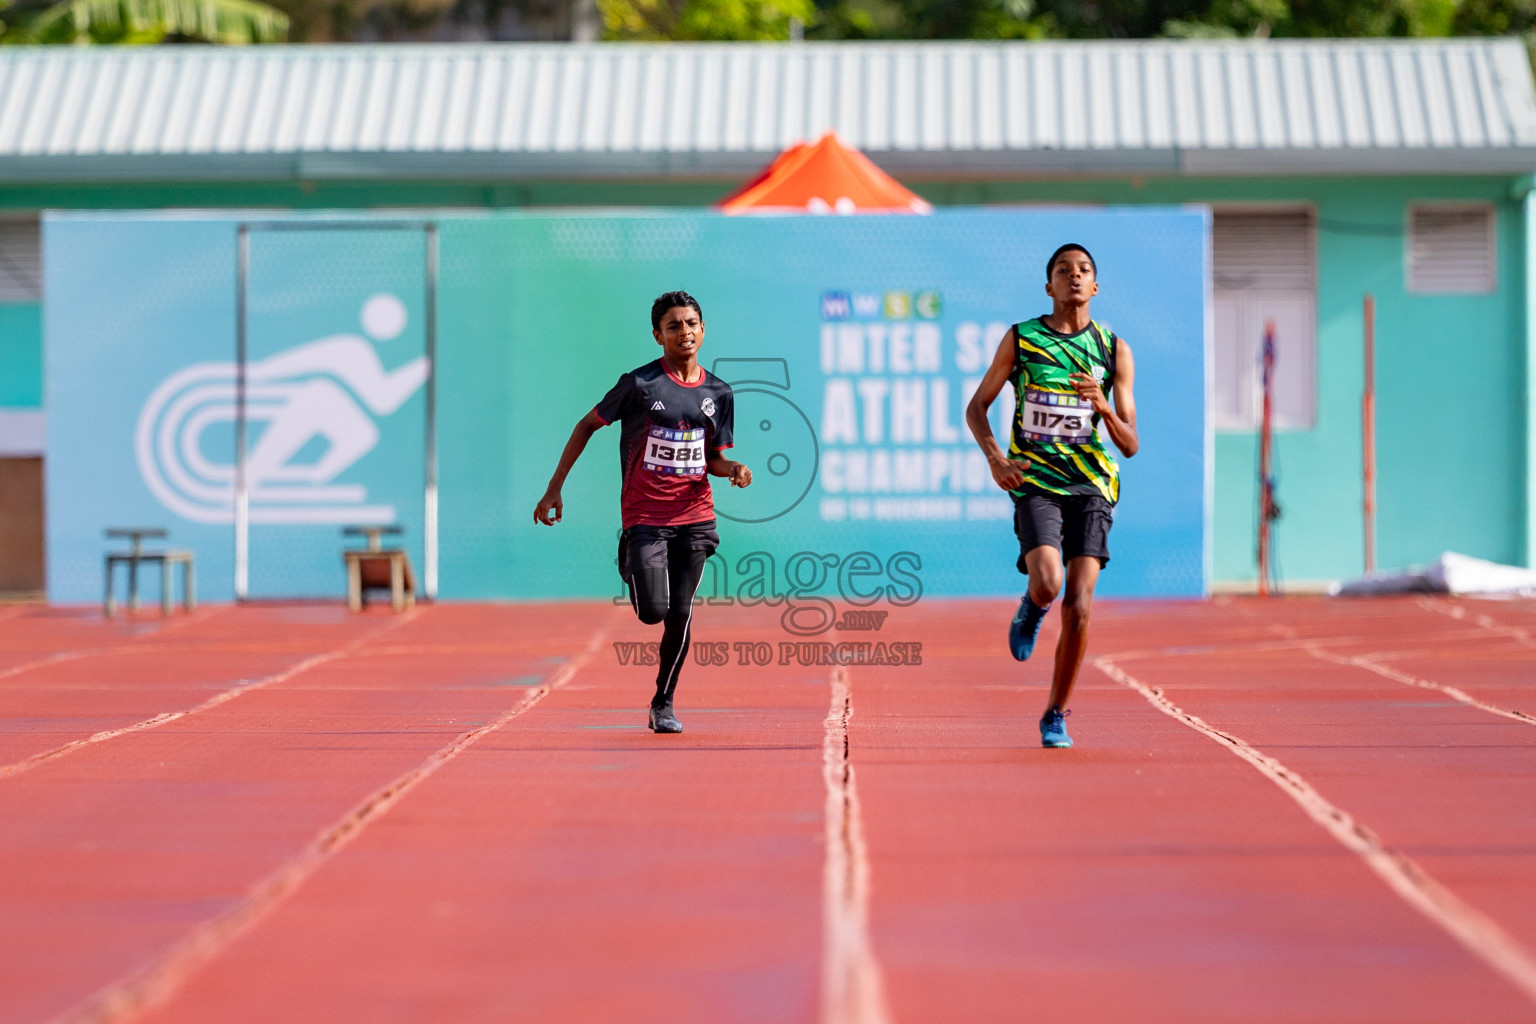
(663, 720)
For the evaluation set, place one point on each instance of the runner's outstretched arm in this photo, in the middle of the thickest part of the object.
(738, 474)
(1120, 420)
(590, 424)
(1008, 474)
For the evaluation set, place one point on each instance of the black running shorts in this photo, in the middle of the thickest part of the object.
(1074, 524)
(649, 547)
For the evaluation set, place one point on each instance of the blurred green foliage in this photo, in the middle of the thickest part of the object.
(254, 21)
(140, 21)
(703, 19)
(1142, 19)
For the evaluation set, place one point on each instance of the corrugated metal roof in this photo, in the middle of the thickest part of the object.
(689, 110)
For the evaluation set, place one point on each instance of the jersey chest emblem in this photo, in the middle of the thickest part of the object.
(708, 406)
(657, 407)
(675, 451)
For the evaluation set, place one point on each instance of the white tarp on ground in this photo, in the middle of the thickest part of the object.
(1449, 574)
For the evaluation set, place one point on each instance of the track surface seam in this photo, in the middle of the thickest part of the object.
(1488, 622)
(852, 991)
(1386, 672)
(1319, 650)
(222, 697)
(161, 979)
(1476, 932)
(96, 652)
(1369, 663)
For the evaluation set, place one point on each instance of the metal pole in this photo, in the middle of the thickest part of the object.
(1266, 475)
(1368, 440)
(429, 576)
(242, 496)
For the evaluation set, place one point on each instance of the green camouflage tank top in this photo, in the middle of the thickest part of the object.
(1052, 427)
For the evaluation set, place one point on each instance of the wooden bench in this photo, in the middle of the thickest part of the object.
(378, 568)
(168, 559)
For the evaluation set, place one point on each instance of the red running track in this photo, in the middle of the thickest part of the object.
(1299, 810)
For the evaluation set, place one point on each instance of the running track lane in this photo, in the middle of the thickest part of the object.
(1483, 649)
(31, 633)
(1150, 875)
(112, 853)
(1447, 784)
(89, 688)
(1176, 972)
(571, 866)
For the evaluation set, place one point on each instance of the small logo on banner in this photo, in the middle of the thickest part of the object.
(835, 306)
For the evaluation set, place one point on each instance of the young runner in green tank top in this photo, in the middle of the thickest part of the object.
(1063, 367)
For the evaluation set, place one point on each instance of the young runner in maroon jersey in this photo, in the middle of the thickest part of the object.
(677, 420)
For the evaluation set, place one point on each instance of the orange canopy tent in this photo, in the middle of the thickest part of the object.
(824, 177)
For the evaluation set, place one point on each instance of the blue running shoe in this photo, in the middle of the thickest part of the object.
(1024, 630)
(1053, 729)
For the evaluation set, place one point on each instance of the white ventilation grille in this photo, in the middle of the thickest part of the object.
(1451, 249)
(1262, 251)
(21, 264)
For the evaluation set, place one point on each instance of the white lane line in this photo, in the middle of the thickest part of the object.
(1476, 932)
(222, 697)
(146, 647)
(1387, 672)
(1369, 663)
(1261, 646)
(159, 981)
(852, 991)
(1463, 614)
(48, 659)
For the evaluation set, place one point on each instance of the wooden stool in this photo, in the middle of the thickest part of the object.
(376, 568)
(168, 559)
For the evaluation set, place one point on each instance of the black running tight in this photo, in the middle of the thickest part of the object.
(665, 566)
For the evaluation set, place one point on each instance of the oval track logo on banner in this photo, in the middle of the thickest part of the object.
(330, 390)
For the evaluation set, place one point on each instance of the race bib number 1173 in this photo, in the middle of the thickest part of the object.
(675, 451)
(1050, 416)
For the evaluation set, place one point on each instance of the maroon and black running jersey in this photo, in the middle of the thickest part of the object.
(669, 431)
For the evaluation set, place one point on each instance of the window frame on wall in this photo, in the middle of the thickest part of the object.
(1286, 294)
(1413, 284)
(21, 259)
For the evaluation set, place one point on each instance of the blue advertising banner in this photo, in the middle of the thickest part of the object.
(853, 344)
(337, 367)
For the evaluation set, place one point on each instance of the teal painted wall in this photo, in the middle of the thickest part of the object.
(1439, 489)
(21, 355)
(1530, 380)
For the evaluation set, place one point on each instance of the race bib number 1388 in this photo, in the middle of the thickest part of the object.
(675, 451)
(1050, 416)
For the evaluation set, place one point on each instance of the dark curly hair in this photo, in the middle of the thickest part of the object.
(1050, 264)
(666, 301)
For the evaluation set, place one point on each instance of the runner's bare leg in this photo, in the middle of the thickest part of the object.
(1076, 609)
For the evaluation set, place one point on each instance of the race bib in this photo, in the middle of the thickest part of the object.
(675, 451)
(1053, 417)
